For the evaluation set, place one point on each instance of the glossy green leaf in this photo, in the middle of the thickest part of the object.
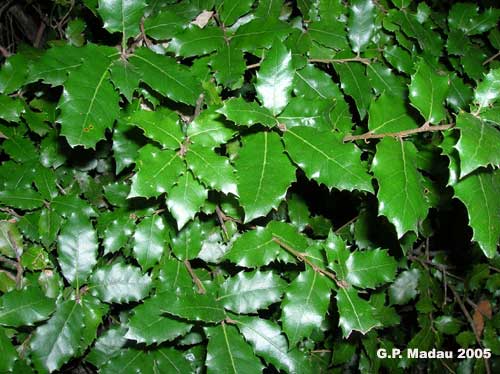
(229, 66)
(259, 33)
(465, 17)
(305, 304)
(7, 352)
(209, 129)
(11, 242)
(89, 104)
(355, 84)
(230, 11)
(330, 33)
(157, 172)
(211, 169)
(120, 283)
(361, 25)
(164, 24)
(117, 234)
(264, 174)
(428, 91)
(307, 112)
(460, 94)
(389, 114)
(246, 113)
(478, 143)
(479, 193)
(405, 287)
(194, 41)
(369, 269)
(324, 157)
(77, 249)
(249, 292)
(401, 194)
(488, 90)
(149, 241)
(383, 80)
(106, 346)
(129, 359)
(25, 307)
(122, 16)
(227, 352)
(125, 77)
(312, 83)
(167, 77)
(187, 244)
(399, 58)
(14, 73)
(356, 314)
(93, 312)
(21, 198)
(55, 342)
(10, 108)
(161, 125)
(148, 325)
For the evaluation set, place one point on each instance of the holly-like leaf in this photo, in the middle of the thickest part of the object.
(11, 242)
(7, 352)
(246, 113)
(149, 241)
(307, 112)
(361, 24)
(148, 325)
(259, 33)
(428, 91)
(383, 80)
(227, 352)
(264, 174)
(120, 283)
(21, 198)
(369, 269)
(305, 304)
(186, 198)
(157, 171)
(478, 143)
(187, 244)
(166, 76)
(231, 11)
(194, 41)
(117, 234)
(25, 307)
(165, 24)
(324, 157)
(10, 109)
(330, 33)
(106, 346)
(55, 342)
(89, 104)
(355, 313)
(401, 193)
(93, 312)
(389, 114)
(122, 16)
(354, 82)
(77, 249)
(160, 125)
(479, 193)
(213, 170)
(249, 292)
(488, 90)
(404, 287)
(229, 66)
(399, 58)
(465, 17)
(275, 78)
(313, 83)
(209, 129)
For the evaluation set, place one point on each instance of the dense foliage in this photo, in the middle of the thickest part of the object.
(247, 186)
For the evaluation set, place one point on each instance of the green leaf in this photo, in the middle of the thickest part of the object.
(478, 143)
(157, 172)
(324, 157)
(229, 66)
(448, 325)
(213, 170)
(11, 241)
(227, 352)
(269, 342)
(404, 287)
(166, 76)
(93, 312)
(125, 77)
(35, 258)
(149, 241)
(275, 78)
(161, 125)
(460, 94)
(330, 33)
(355, 313)
(383, 80)
(311, 82)
(232, 10)
(122, 16)
(488, 90)
(10, 108)
(164, 25)
(249, 292)
(369, 269)
(131, 360)
(361, 25)
(354, 82)
(389, 114)
(170, 360)
(7, 352)
(259, 33)
(209, 129)
(117, 234)
(307, 112)
(187, 244)
(125, 145)
(66, 205)
(428, 91)
(246, 113)
(264, 174)
(194, 41)
(401, 194)
(21, 198)
(147, 325)
(25, 307)
(106, 346)
(399, 58)
(14, 72)
(465, 17)
(54, 343)
(479, 193)
(77, 249)
(305, 304)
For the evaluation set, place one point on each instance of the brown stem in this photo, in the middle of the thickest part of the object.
(401, 134)
(487, 61)
(19, 267)
(196, 280)
(222, 221)
(303, 257)
(253, 66)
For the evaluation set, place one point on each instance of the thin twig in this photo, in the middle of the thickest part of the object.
(400, 134)
(8, 261)
(346, 224)
(4, 52)
(10, 211)
(8, 274)
(487, 61)
(196, 280)
(19, 267)
(253, 66)
(222, 218)
(303, 257)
